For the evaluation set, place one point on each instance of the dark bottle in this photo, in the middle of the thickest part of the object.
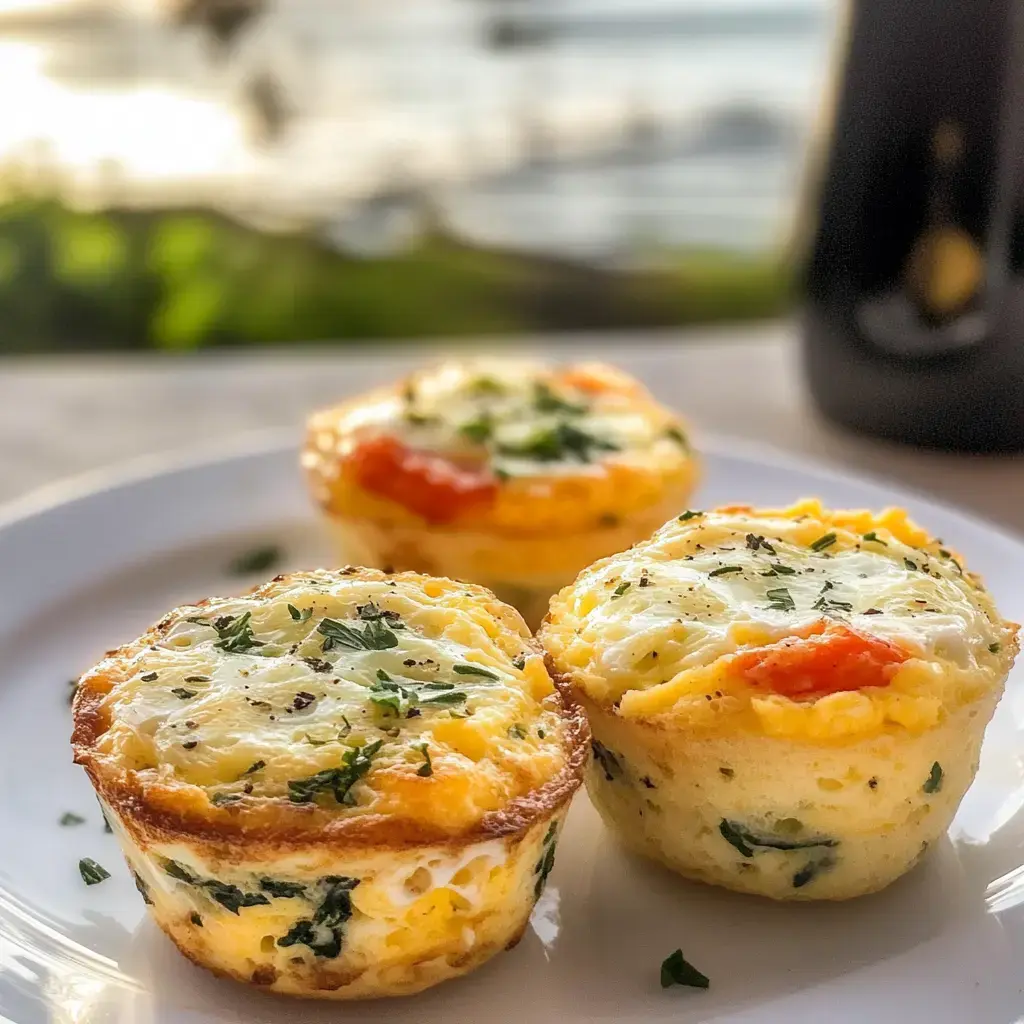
(914, 289)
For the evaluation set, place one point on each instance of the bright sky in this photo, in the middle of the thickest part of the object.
(152, 133)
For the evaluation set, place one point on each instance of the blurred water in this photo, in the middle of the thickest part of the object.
(600, 128)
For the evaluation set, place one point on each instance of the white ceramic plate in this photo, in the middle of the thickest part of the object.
(80, 573)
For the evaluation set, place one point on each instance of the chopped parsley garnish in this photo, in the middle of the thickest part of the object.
(677, 970)
(478, 430)
(339, 781)
(780, 599)
(448, 697)
(149, 677)
(70, 818)
(182, 694)
(747, 842)
(934, 781)
(258, 560)
(994, 648)
(875, 539)
(824, 541)
(196, 919)
(485, 386)
(722, 570)
(302, 700)
(234, 634)
(256, 766)
(910, 564)
(558, 443)
(545, 400)
(519, 662)
(783, 570)
(383, 676)
(299, 614)
(324, 931)
(517, 732)
(688, 515)
(474, 670)
(754, 542)
(91, 872)
(369, 612)
(675, 434)
(197, 679)
(221, 799)
(375, 637)
(427, 768)
(621, 589)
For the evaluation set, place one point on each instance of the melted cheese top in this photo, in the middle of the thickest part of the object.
(524, 418)
(361, 693)
(656, 629)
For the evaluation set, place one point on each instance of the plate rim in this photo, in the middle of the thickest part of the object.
(124, 474)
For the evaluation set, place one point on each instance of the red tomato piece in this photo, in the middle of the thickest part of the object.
(423, 482)
(833, 659)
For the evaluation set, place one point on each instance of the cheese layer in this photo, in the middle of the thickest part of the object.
(658, 630)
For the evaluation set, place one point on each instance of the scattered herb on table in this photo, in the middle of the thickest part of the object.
(91, 872)
(677, 970)
(70, 818)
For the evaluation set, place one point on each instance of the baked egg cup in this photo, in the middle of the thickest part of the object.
(783, 702)
(341, 785)
(512, 474)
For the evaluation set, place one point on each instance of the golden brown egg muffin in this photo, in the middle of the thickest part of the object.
(784, 702)
(344, 784)
(514, 475)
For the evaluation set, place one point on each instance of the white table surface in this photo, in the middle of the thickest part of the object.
(61, 416)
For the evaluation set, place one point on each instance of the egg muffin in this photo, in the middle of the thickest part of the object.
(512, 474)
(784, 702)
(341, 785)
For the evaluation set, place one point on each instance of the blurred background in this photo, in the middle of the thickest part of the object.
(179, 174)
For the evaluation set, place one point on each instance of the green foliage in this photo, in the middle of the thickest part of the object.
(186, 279)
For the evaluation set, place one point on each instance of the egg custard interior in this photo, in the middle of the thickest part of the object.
(342, 784)
(789, 702)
